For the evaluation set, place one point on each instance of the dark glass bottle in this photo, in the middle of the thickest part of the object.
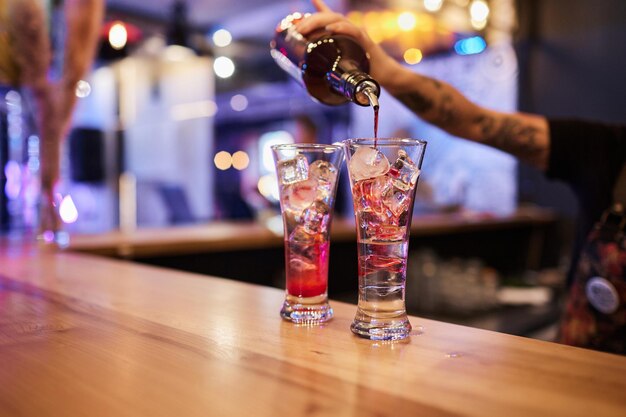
(333, 68)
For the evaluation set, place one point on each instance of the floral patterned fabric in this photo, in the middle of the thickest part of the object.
(595, 317)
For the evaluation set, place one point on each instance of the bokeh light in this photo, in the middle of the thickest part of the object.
(433, 5)
(13, 175)
(406, 21)
(118, 36)
(222, 38)
(240, 160)
(68, 210)
(479, 10)
(223, 160)
(470, 46)
(413, 56)
(265, 143)
(239, 102)
(83, 89)
(268, 187)
(224, 67)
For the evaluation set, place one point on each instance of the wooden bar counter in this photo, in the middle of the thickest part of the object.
(86, 336)
(243, 235)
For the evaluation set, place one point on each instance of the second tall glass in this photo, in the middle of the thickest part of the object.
(383, 178)
(307, 180)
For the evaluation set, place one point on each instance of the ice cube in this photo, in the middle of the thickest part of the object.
(379, 228)
(304, 245)
(298, 196)
(293, 170)
(369, 221)
(300, 236)
(397, 201)
(316, 217)
(370, 192)
(324, 192)
(404, 172)
(301, 257)
(323, 171)
(298, 265)
(325, 174)
(367, 163)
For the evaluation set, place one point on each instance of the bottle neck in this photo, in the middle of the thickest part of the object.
(356, 86)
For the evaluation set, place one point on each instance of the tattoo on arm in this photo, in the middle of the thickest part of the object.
(511, 135)
(522, 135)
(421, 103)
(486, 125)
(447, 115)
(416, 102)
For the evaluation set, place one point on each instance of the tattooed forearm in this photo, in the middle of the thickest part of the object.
(416, 102)
(523, 135)
(440, 101)
(512, 135)
(486, 125)
(447, 115)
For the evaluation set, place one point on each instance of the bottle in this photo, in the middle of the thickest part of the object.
(333, 68)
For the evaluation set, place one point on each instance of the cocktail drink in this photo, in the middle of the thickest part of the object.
(307, 180)
(383, 178)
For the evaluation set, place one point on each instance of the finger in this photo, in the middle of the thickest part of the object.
(345, 28)
(317, 21)
(321, 6)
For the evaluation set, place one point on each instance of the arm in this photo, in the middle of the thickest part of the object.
(525, 136)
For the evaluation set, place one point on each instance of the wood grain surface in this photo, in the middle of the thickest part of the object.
(87, 336)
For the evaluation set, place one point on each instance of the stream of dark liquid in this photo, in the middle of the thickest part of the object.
(375, 126)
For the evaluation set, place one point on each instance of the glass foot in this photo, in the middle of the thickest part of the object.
(53, 239)
(306, 310)
(388, 328)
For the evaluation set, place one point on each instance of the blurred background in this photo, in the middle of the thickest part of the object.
(175, 120)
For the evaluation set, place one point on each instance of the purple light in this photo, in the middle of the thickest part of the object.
(48, 236)
(13, 174)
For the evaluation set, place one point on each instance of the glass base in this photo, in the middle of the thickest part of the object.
(387, 328)
(306, 310)
(53, 239)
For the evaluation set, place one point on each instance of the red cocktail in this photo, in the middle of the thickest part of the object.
(307, 179)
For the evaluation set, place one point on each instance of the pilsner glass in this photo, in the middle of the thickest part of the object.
(383, 179)
(307, 180)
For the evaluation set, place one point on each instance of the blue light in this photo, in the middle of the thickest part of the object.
(470, 46)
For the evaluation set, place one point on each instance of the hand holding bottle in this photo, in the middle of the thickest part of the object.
(334, 68)
(382, 66)
(523, 135)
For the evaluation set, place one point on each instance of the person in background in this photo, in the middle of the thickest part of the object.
(589, 156)
(305, 130)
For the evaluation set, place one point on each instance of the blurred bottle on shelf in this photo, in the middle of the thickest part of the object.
(451, 286)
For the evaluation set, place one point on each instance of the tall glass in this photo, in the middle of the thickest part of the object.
(383, 179)
(307, 181)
